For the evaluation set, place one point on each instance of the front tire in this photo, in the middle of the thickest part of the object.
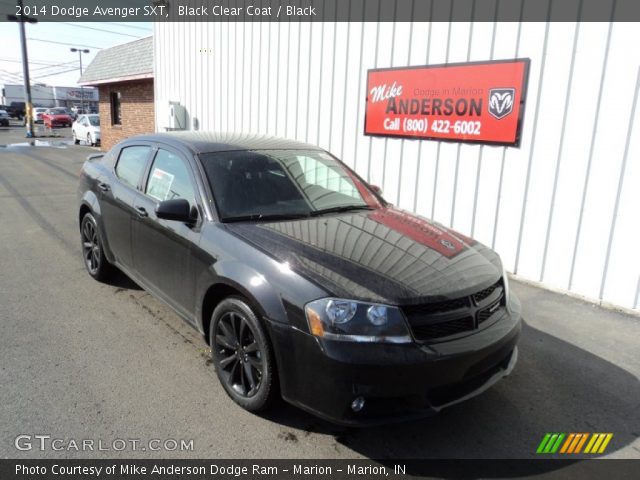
(95, 261)
(242, 355)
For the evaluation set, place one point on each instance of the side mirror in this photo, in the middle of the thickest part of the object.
(376, 189)
(177, 210)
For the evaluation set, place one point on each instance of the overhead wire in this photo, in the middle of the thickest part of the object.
(99, 29)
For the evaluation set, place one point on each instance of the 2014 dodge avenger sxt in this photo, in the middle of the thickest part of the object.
(305, 282)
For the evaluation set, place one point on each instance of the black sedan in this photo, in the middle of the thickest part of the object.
(304, 281)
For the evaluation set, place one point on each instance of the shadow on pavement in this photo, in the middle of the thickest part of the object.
(119, 279)
(556, 387)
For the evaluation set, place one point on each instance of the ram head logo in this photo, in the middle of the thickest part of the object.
(501, 102)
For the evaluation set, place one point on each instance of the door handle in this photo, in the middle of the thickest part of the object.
(142, 212)
(103, 186)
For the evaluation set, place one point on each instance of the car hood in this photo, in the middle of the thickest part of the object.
(385, 255)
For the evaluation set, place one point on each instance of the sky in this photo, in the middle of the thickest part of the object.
(53, 63)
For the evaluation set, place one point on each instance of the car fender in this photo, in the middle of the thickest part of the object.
(90, 200)
(239, 276)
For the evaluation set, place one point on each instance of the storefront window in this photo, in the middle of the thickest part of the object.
(115, 108)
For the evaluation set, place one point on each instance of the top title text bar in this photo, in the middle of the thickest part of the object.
(325, 10)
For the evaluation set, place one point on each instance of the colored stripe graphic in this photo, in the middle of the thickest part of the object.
(590, 444)
(606, 442)
(581, 443)
(550, 443)
(598, 443)
(556, 445)
(567, 443)
(543, 443)
(572, 443)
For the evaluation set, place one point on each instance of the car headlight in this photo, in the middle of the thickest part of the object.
(351, 321)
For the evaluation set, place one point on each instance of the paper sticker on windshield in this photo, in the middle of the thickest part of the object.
(160, 184)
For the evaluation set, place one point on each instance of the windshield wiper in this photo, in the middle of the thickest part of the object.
(264, 217)
(343, 208)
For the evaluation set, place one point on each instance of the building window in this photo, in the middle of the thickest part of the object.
(115, 108)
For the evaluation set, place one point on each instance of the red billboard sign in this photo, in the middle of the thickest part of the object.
(477, 102)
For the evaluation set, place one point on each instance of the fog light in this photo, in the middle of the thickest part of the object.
(357, 404)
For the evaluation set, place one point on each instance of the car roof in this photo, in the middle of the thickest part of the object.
(208, 142)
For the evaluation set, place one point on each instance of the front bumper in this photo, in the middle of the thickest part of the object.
(59, 123)
(398, 382)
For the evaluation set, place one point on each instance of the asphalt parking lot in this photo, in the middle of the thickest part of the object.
(84, 360)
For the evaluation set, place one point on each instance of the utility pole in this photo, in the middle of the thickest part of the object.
(80, 52)
(28, 109)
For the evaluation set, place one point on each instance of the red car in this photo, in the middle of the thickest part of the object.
(56, 117)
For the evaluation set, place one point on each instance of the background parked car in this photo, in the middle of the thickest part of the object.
(86, 128)
(16, 110)
(69, 112)
(56, 117)
(4, 118)
(38, 112)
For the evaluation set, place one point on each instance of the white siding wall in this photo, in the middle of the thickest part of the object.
(547, 207)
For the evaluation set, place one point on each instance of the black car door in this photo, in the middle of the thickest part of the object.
(162, 249)
(118, 193)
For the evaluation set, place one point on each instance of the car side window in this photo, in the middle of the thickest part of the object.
(169, 178)
(131, 164)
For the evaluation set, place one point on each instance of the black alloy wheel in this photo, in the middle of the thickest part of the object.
(242, 355)
(93, 254)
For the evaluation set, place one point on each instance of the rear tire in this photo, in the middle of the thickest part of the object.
(89, 141)
(76, 141)
(93, 255)
(242, 355)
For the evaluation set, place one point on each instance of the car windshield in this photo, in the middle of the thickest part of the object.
(281, 184)
(95, 121)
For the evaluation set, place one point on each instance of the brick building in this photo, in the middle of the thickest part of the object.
(124, 78)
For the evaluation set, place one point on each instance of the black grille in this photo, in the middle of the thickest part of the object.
(485, 314)
(443, 329)
(437, 307)
(482, 294)
(451, 317)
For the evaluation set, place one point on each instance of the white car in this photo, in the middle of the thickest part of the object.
(37, 114)
(87, 129)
